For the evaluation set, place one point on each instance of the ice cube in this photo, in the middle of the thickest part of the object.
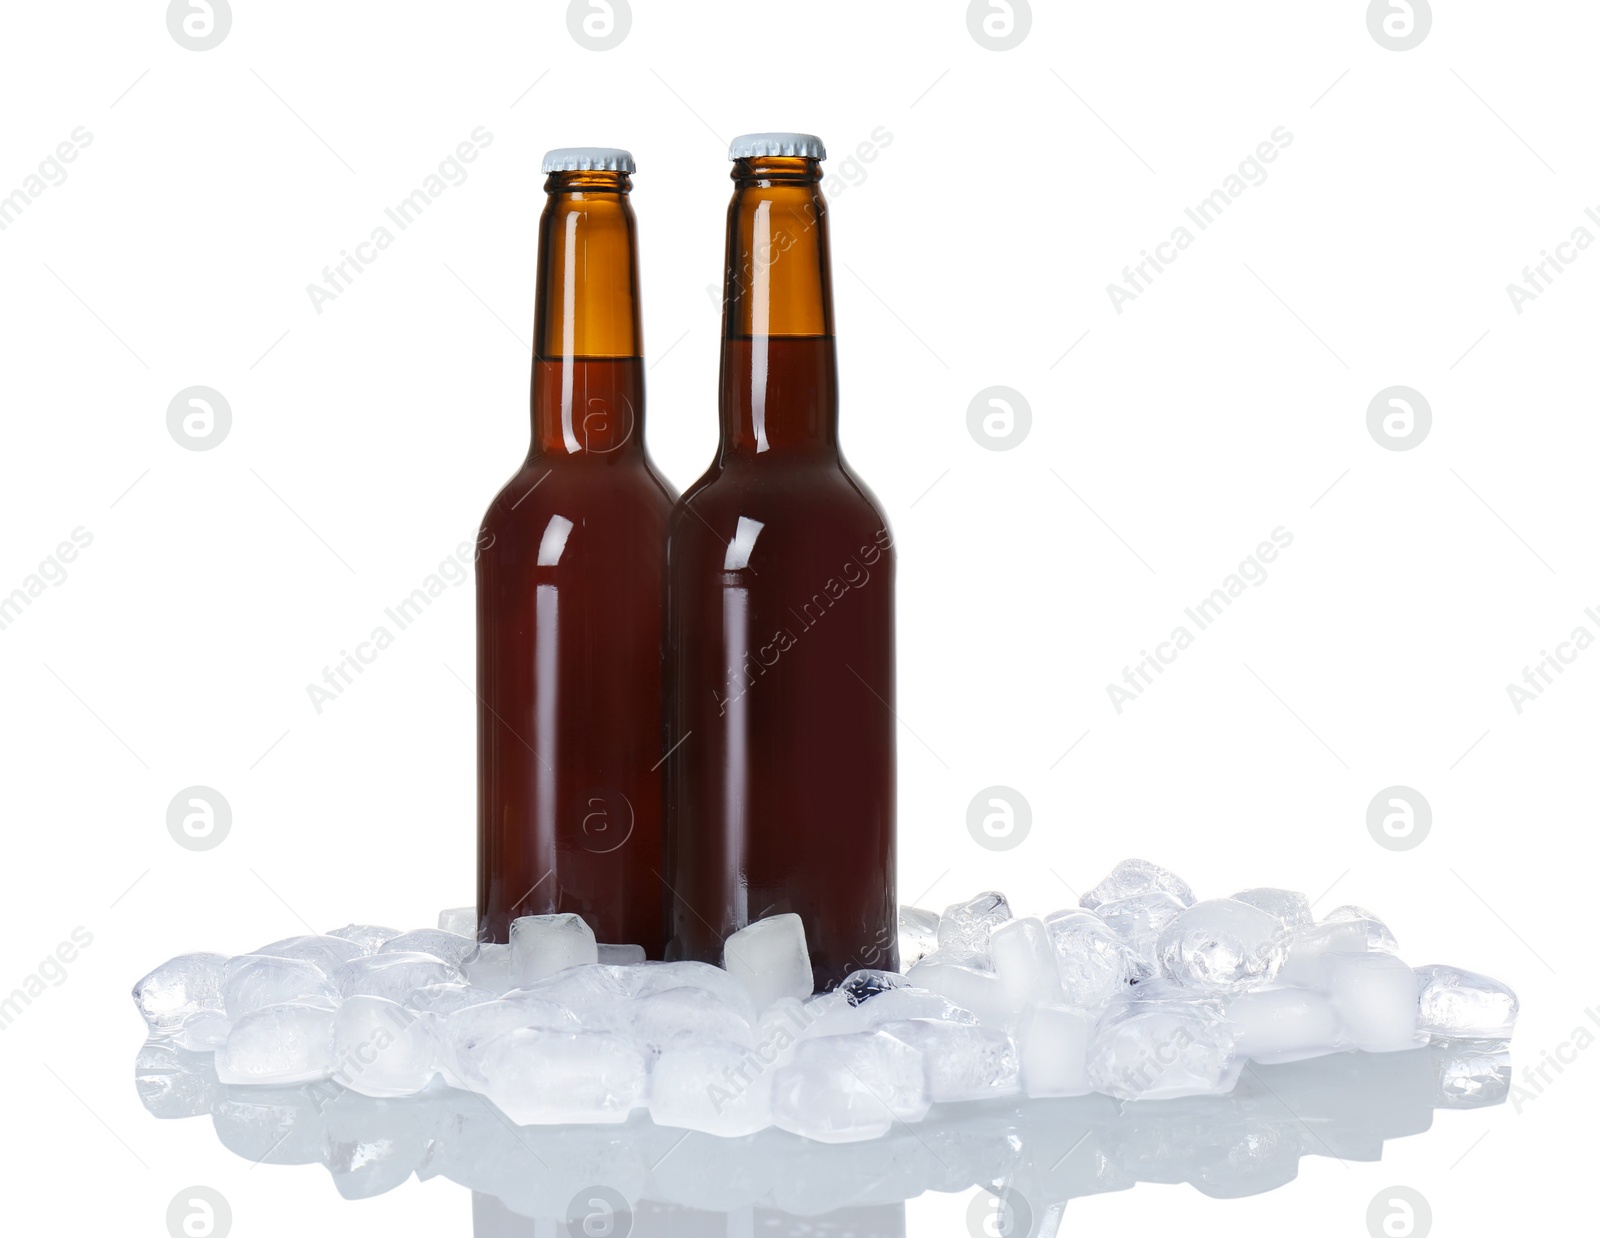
(560, 1077)
(279, 1045)
(1052, 1051)
(489, 967)
(446, 998)
(543, 945)
(187, 985)
(368, 936)
(918, 934)
(1135, 877)
(961, 1061)
(981, 992)
(1378, 935)
(451, 948)
(1292, 909)
(326, 952)
(203, 1032)
(769, 959)
(462, 921)
(1091, 958)
(1457, 1004)
(254, 981)
(675, 1018)
(620, 956)
(1022, 955)
(1376, 997)
(858, 986)
(1284, 1025)
(1138, 921)
(1223, 946)
(395, 976)
(780, 1027)
(840, 1089)
(382, 1049)
(1310, 949)
(463, 1034)
(664, 977)
(965, 927)
(1154, 1049)
(832, 1014)
(716, 1087)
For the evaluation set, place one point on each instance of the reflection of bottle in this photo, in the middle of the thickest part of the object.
(569, 595)
(781, 614)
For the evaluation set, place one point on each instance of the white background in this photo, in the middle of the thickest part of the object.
(1166, 442)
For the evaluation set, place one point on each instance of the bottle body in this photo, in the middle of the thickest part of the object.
(780, 637)
(569, 614)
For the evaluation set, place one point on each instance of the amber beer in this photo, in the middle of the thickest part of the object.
(780, 614)
(570, 595)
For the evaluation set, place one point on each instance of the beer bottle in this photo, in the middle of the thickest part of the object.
(780, 613)
(570, 594)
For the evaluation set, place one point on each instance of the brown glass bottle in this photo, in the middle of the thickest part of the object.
(570, 595)
(780, 614)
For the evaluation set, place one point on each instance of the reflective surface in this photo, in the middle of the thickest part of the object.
(655, 1181)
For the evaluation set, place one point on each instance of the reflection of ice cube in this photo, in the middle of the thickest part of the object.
(1452, 1002)
(1291, 908)
(619, 955)
(840, 1089)
(961, 1061)
(542, 1077)
(716, 1087)
(1223, 946)
(279, 1045)
(1157, 1049)
(1134, 877)
(919, 935)
(1470, 1076)
(253, 981)
(180, 987)
(174, 1083)
(1092, 959)
(543, 945)
(964, 928)
(769, 959)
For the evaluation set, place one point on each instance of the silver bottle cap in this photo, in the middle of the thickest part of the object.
(760, 145)
(588, 159)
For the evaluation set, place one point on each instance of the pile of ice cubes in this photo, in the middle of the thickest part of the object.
(1141, 993)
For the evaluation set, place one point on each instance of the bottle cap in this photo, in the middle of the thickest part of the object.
(759, 145)
(588, 159)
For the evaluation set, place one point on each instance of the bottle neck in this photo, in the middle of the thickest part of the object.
(780, 388)
(588, 379)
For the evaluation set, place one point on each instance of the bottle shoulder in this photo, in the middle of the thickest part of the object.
(547, 484)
